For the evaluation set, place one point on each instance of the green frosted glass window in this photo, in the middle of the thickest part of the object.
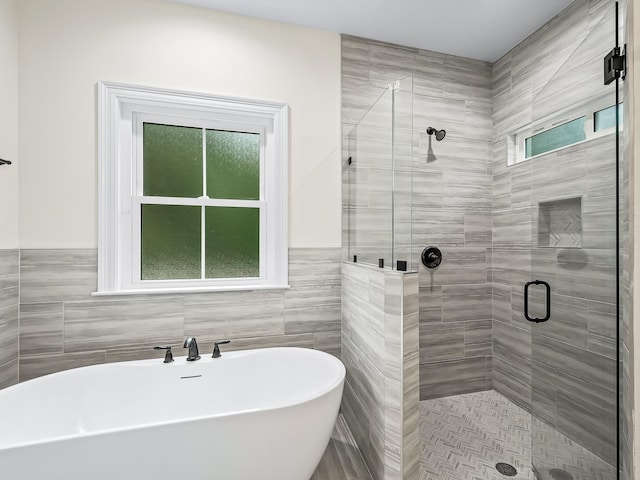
(233, 165)
(172, 159)
(604, 119)
(171, 240)
(557, 137)
(232, 242)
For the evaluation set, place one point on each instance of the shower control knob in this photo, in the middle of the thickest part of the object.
(431, 257)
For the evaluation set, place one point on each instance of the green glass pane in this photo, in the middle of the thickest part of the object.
(233, 165)
(172, 159)
(606, 118)
(232, 242)
(171, 242)
(557, 137)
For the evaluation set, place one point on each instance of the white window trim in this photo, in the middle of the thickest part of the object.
(516, 140)
(120, 108)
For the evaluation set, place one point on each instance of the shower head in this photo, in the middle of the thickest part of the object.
(440, 134)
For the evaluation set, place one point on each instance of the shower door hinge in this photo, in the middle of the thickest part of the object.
(615, 64)
(394, 86)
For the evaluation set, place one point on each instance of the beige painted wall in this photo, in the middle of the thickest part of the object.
(66, 46)
(9, 123)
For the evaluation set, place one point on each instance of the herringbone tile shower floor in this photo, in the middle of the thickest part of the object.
(464, 436)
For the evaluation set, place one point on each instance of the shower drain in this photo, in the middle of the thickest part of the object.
(509, 470)
(559, 474)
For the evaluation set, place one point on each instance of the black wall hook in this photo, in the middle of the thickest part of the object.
(4, 162)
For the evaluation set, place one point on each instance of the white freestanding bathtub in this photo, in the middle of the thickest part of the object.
(261, 414)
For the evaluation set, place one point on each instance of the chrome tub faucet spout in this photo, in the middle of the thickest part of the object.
(192, 345)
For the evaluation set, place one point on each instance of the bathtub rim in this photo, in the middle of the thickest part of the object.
(338, 383)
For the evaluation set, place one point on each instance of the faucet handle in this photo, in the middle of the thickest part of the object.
(216, 348)
(168, 356)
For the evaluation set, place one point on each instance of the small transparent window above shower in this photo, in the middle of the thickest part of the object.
(561, 131)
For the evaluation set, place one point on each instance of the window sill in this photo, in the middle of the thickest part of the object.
(164, 291)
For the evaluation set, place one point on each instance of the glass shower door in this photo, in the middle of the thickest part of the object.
(570, 301)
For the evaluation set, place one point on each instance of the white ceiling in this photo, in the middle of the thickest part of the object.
(481, 29)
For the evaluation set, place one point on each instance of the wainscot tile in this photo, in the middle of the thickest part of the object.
(105, 324)
(312, 296)
(314, 266)
(8, 334)
(324, 318)
(9, 374)
(234, 315)
(41, 328)
(9, 268)
(57, 275)
(329, 342)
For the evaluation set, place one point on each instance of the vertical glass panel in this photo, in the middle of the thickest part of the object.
(233, 165)
(606, 118)
(370, 180)
(172, 160)
(557, 137)
(171, 242)
(403, 150)
(572, 384)
(232, 242)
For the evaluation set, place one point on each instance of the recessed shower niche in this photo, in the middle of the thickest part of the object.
(560, 223)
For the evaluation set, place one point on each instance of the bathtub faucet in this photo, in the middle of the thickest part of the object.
(192, 345)
(168, 356)
(216, 348)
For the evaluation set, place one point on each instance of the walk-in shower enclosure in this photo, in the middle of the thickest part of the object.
(526, 197)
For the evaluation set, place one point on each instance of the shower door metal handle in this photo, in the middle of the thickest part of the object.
(526, 301)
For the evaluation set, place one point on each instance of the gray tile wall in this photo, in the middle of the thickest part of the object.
(564, 369)
(9, 294)
(451, 199)
(62, 326)
(380, 352)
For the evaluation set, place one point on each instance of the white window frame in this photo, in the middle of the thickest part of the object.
(122, 109)
(516, 141)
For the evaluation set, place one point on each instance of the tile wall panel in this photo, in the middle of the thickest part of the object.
(9, 308)
(453, 377)
(380, 349)
(41, 328)
(63, 326)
